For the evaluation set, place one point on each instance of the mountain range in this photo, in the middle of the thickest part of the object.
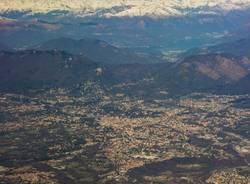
(54, 67)
(119, 8)
(124, 91)
(159, 27)
(179, 45)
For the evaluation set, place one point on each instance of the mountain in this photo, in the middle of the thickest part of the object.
(215, 71)
(28, 69)
(38, 69)
(31, 69)
(211, 72)
(207, 72)
(109, 8)
(217, 67)
(195, 27)
(238, 49)
(98, 51)
(21, 34)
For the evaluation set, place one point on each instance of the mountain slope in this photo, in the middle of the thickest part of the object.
(28, 69)
(208, 72)
(217, 67)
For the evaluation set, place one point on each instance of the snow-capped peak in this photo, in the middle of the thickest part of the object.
(109, 8)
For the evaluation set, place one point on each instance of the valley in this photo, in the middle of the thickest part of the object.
(56, 137)
(124, 92)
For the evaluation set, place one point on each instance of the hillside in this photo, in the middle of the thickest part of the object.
(29, 69)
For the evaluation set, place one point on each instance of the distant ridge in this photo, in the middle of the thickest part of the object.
(119, 8)
(97, 50)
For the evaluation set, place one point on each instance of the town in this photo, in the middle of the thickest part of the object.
(53, 136)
